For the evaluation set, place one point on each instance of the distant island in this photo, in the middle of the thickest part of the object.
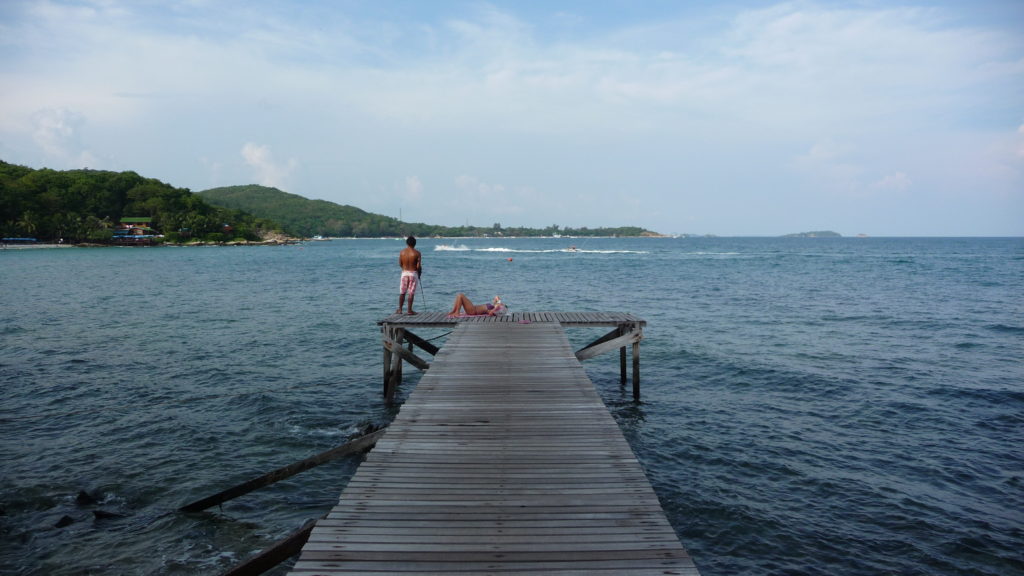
(103, 207)
(818, 234)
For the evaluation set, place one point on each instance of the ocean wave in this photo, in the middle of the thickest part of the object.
(501, 249)
(1006, 328)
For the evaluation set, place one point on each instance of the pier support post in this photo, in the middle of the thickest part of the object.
(393, 338)
(387, 360)
(622, 360)
(636, 369)
(622, 336)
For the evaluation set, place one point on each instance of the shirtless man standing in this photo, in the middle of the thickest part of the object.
(412, 266)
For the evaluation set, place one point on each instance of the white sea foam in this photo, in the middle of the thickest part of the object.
(502, 249)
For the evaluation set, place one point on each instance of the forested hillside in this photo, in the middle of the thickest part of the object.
(304, 217)
(86, 205)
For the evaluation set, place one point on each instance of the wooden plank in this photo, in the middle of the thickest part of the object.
(421, 343)
(355, 445)
(398, 349)
(502, 459)
(268, 558)
(441, 319)
(608, 345)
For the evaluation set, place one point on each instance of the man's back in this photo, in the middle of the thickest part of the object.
(409, 259)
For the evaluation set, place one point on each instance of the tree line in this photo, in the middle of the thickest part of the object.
(85, 206)
(304, 217)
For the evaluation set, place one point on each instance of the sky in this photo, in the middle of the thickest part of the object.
(731, 118)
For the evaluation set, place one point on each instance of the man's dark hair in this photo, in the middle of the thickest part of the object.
(411, 241)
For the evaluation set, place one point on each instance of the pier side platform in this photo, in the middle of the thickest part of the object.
(397, 330)
(502, 460)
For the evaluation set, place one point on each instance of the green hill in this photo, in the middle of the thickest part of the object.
(301, 216)
(87, 205)
(304, 217)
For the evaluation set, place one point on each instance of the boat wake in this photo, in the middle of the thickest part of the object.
(569, 250)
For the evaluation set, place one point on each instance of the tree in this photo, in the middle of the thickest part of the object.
(86, 204)
(27, 224)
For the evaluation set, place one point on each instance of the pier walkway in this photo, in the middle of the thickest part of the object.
(502, 460)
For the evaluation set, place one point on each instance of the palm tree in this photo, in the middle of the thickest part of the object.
(27, 224)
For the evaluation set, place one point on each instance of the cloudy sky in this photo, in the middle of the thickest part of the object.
(737, 117)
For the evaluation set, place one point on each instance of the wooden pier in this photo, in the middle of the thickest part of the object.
(502, 460)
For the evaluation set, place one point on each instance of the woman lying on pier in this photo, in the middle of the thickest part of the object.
(494, 308)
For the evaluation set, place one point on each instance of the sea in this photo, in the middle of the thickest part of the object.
(847, 406)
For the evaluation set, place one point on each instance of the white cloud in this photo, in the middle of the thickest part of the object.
(413, 189)
(57, 132)
(896, 182)
(827, 164)
(268, 171)
(472, 190)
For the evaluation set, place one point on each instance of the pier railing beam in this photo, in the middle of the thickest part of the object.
(421, 343)
(394, 352)
(622, 336)
(406, 355)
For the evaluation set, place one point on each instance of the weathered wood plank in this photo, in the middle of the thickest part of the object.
(442, 320)
(502, 459)
(609, 345)
(602, 568)
(355, 445)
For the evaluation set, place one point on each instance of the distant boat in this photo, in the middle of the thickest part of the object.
(27, 243)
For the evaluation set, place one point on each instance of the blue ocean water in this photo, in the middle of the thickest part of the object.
(810, 406)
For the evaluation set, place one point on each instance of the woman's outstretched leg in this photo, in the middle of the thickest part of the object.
(461, 303)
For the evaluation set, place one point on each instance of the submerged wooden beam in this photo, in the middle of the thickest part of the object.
(277, 553)
(357, 445)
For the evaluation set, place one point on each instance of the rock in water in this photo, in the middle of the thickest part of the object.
(64, 521)
(101, 514)
(85, 499)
